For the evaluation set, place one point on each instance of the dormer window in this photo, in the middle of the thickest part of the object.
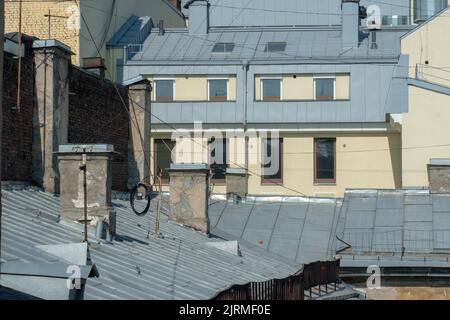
(275, 47)
(223, 47)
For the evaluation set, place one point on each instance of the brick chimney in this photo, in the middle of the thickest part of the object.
(439, 176)
(99, 179)
(189, 185)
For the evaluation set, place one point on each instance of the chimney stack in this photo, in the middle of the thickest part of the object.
(198, 16)
(95, 65)
(98, 181)
(350, 24)
(439, 176)
(189, 192)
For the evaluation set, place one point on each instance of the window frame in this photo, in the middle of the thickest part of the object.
(325, 181)
(275, 77)
(209, 91)
(324, 77)
(164, 182)
(227, 154)
(269, 181)
(155, 94)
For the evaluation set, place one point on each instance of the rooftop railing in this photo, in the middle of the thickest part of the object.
(313, 276)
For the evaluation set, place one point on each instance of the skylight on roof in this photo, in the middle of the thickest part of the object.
(275, 47)
(223, 47)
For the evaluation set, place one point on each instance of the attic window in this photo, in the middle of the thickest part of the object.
(223, 47)
(275, 47)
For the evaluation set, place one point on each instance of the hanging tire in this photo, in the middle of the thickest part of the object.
(140, 192)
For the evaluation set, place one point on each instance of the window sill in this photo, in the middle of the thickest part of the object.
(325, 184)
(193, 101)
(274, 183)
(303, 100)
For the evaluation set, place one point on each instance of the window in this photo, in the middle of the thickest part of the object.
(272, 161)
(324, 88)
(325, 160)
(218, 159)
(163, 157)
(218, 90)
(275, 47)
(271, 89)
(223, 47)
(164, 90)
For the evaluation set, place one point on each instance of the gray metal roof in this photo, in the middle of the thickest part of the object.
(289, 12)
(302, 44)
(402, 224)
(178, 265)
(300, 229)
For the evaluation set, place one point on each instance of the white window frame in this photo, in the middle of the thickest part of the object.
(218, 78)
(270, 77)
(325, 76)
(162, 79)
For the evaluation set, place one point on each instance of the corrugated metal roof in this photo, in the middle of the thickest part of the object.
(300, 229)
(396, 222)
(302, 44)
(178, 265)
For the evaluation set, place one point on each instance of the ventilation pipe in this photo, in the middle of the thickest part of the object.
(161, 28)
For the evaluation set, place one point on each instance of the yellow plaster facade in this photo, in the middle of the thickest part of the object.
(363, 160)
(425, 128)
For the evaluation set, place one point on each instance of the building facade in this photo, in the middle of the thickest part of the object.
(320, 95)
(425, 129)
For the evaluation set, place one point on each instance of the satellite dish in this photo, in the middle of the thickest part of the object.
(373, 21)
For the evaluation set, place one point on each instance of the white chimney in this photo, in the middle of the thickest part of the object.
(198, 16)
(350, 24)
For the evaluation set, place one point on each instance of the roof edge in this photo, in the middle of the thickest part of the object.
(437, 15)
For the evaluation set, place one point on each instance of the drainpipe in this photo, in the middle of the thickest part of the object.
(245, 67)
(1, 105)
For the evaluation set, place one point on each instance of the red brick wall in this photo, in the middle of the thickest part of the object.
(17, 124)
(97, 115)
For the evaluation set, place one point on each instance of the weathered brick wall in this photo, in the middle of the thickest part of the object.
(34, 22)
(17, 123)
(97, 115)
